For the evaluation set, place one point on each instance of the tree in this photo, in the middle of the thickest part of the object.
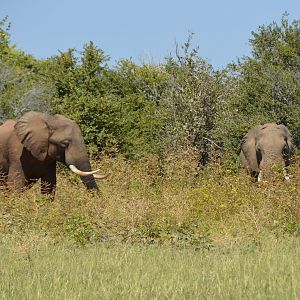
(20, 87)
(269, 81)
(194, 95)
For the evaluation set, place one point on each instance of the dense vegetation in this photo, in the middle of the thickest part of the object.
(216, 235)
(169, 135)
(147, 109)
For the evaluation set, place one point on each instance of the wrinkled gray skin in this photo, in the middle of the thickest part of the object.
(31, 146)
(265, 146)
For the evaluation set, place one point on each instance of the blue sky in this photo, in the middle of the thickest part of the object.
(145, 31)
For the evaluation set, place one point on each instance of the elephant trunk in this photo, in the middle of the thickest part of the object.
(77, 160)
(88, 180)
(272, 166)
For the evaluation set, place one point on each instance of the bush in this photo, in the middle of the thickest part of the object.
(139, 206)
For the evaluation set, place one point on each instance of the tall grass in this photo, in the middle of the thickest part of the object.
(137, 205)
(31, 267)
(211, 234)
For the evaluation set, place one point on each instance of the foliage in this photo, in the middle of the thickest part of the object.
(154, 125)
(147, 109)
(137, 206)
(194, 98)
(21, 88)
(269, 81)
(114, 107)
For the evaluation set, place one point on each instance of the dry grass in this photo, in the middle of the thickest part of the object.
(138, 205)
(179, 236)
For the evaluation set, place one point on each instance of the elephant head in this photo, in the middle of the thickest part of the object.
(266, 146)
(56, 138)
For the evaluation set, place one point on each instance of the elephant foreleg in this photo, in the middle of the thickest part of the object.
(48, 181)
(3, 180)
(16, 179)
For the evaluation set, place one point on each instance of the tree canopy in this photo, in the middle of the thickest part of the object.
(156, 109)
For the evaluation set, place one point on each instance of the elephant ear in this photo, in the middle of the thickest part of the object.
(248, 149)
(287, 135)
(33, 132)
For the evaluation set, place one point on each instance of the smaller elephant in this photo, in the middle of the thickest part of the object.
(265, 146)
(31, 146)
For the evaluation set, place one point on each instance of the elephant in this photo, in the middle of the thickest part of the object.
(265, 146)
(31, 146)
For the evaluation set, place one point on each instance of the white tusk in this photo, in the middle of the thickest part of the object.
(82, 173)
(286, 176)
(259, 178)
(97, 176)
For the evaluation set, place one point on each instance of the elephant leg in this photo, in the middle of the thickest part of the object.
(3, 180)
(244, 163)
(16, 178)
(286, 174)
(48, 181)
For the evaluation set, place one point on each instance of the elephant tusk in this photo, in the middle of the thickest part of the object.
(83, 173)
(285, 174)
(98, 176)
(259, 178)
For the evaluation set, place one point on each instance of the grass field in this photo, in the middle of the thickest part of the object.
(31, 268)
(215, 235)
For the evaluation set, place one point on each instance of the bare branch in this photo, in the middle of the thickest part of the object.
(212, 142)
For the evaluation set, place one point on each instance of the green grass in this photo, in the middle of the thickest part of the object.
(212, 236)
(33, 268)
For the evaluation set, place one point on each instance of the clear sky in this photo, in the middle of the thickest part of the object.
(142, 30)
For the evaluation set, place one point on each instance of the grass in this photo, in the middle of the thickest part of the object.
(216, 235)
(33, 268)
(139, 206)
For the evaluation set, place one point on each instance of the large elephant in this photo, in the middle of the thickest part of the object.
(31, 146)
(265, 146)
